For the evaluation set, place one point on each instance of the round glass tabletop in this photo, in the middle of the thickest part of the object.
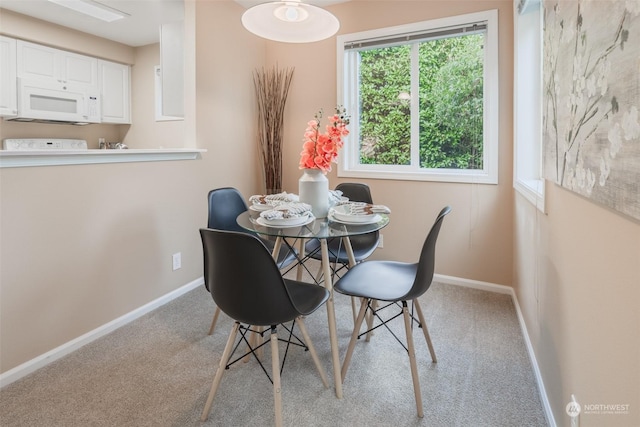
(320, 228)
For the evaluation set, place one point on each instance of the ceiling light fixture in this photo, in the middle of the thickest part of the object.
(290, 21)
(93, 9)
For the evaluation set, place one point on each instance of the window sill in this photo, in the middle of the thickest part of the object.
(445, 175)
(16, 159)
(532, 190)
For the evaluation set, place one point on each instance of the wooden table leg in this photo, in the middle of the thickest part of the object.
(276, 248)
(352, 262)
(331, 315)
(347, 246)
(301, 255)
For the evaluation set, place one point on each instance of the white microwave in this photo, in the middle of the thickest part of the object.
(44, 101)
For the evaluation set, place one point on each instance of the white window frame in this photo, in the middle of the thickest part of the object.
(527, 101)
(349, 161)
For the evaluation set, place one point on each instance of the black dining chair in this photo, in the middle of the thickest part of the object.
(225, 204)
(395, 283)
(363, 245)
(256, 297)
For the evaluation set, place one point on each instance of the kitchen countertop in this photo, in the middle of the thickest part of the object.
(30, 158)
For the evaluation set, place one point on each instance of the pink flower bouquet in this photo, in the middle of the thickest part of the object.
(321, 149)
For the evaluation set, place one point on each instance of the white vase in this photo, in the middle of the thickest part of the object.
(313, 189)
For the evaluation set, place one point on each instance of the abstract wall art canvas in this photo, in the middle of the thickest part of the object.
(591, 109)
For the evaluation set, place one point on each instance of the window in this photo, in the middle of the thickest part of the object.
(527, 170)
(423, 100)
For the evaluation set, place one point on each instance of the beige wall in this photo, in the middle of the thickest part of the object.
(577, 277)
(144, 131)
(226, 112)
(475, 240)
(83, 245)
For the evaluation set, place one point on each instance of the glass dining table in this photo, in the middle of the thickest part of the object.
(321, 229)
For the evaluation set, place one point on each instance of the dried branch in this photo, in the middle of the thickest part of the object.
(272, 89)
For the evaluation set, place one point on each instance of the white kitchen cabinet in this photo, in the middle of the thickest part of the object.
(8, 80)
(35, 61)
(115, 89)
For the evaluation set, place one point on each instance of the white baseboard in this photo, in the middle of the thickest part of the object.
(36, 363)
(501, 289)
(475, 284)
(536, 370)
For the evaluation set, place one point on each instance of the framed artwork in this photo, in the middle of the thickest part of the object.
(591, 108)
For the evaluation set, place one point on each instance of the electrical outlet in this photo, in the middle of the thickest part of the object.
(177, 261)
(381, 241)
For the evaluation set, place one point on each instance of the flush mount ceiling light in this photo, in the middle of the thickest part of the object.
(290, 22)
(93, 9)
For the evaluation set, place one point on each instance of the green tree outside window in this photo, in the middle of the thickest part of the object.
(450, 103)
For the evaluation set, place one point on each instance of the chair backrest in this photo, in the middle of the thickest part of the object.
(358, 192)
(244, 280)
(225, 204)
(426, 263)
(355, 191)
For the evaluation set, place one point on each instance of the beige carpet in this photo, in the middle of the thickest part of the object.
(157, 371)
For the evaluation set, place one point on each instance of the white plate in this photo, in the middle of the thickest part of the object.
(343, 214)
(341, 201)
(371, 219)
(260, 207)
(286, 222)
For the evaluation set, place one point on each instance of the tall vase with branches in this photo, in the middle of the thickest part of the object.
(272, 88)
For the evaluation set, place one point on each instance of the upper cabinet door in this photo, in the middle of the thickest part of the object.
(36, 62)
(115, 92)
(80, 69)
(42, 62)
(8, 80)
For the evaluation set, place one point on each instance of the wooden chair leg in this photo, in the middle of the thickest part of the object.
(275, 368)
(319, 274)
(425, 331)
(412, 359)
(221, 368)
(258, 337)
(353, 310)
(374, 305)
(354, 337)
(214, 321)
(312, 350)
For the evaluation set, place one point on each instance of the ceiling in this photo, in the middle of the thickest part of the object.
(140, 28)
